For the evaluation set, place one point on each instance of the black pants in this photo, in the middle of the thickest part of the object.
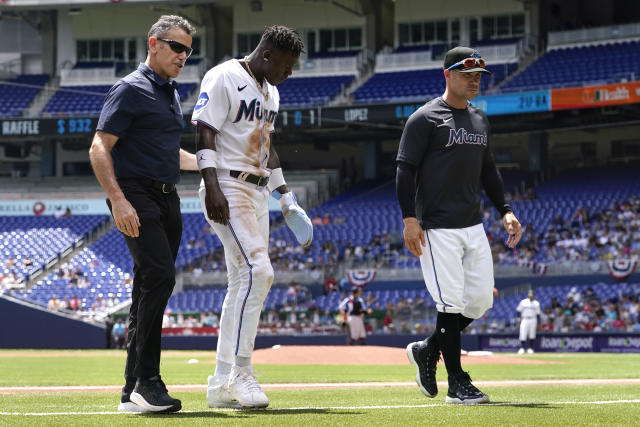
(154, 253)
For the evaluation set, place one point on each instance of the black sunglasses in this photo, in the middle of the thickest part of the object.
(178, 47)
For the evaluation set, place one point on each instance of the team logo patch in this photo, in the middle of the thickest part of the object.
(203, 100)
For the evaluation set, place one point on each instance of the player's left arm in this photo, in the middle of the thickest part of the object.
(295, 217)
(494, 187)
(188, 161)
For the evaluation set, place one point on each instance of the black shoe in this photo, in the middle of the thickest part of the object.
(151, 395)
(461, 391)
(424, 356)
(126, 405)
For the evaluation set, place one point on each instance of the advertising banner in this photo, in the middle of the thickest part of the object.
(77, 206)
(566, 343)
(514, 103)
(620, 343)
(88, 206)
(595, 96)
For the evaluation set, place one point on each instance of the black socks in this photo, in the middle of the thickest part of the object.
(448, 334)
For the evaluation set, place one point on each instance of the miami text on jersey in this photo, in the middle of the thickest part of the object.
(253, 109)
(461, 136)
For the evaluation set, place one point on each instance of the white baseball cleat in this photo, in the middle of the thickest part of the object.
(521, 351)
(218, 395)
(245, 389)
(530, 351)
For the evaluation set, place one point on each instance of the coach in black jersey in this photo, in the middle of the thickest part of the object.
(443, 157)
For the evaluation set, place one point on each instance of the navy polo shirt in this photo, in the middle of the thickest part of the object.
(143, 111)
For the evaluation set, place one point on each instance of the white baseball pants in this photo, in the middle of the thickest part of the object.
(249, 273)
(458, 270)
(356, 327)
(528, 328)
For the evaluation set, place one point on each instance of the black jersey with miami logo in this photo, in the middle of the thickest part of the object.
(450, 149)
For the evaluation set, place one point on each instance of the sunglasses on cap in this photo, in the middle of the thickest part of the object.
(178, 47)
(469, 62)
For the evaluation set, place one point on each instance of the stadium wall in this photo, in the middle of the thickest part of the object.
(24, 326)
(420, 10)
(558, 343)
(115, 21)
(300, 15)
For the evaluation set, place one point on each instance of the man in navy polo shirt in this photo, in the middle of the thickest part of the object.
(136, 157)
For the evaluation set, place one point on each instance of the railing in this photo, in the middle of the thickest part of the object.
(193, 73)
(405, 60)
(422, 59)
(592, 34)
(87, 76)
(334, 66)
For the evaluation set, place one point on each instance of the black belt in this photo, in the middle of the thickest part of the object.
(258, 180)
(164, 187)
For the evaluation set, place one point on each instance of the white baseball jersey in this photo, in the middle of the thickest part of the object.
(529, 309)
(231, 104)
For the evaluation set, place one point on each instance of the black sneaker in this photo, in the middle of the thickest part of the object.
(461, 391)
(126, 405)
(424, 356)
(152, 396)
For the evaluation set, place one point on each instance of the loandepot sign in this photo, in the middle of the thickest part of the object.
(566, 343)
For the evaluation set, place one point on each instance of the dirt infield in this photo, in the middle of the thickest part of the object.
(364, 355)
(300, 355)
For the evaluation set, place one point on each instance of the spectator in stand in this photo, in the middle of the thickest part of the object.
(340, 219)
(27, 261)
(387, 322)
(74, 303)
(326, 219)
(317, 220)
(330, 285)
(119, 334)
(167, 320)
(53, 303)
(211, 320)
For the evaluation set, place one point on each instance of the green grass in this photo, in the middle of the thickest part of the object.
(517, 405)
(106, 368)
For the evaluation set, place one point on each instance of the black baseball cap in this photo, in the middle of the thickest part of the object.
(461, 53)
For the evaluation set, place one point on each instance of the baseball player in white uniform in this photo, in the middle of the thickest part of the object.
(353, 309)
(235, 116)
(528, 312)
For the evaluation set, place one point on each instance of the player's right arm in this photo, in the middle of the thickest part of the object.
(209, 115)
(215, 202)
(124, 215)
(413, 145)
